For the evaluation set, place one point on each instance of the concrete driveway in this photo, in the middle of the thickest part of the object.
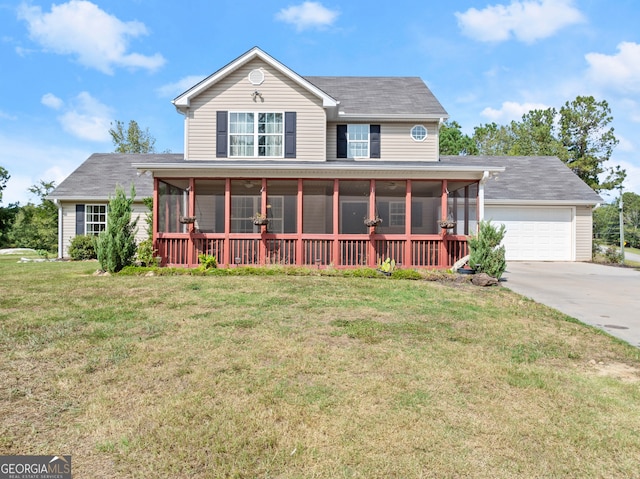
(607, 297)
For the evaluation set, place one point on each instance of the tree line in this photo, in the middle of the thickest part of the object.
(579, 134)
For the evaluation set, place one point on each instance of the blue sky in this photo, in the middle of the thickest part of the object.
(70, 69)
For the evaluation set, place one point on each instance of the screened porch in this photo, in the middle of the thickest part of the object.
(314, 223)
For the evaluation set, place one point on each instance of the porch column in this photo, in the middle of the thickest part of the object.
(192, 256)
(371, 253)
(155, 211)
(227, 223)
(408, 244)
(263, 209)
(444, 250)
(299, 248)
(336, 223)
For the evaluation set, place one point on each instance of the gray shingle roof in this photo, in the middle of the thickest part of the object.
(525, 179)
(380, 95)
(97, 177)
(530, 178)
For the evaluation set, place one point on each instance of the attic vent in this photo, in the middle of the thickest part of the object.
(256, 77)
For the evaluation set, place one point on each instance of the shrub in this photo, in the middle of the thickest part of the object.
(612, 255)
(486, 256)
(82, 247)
(145, 254)
(116, 246)
(207, 262)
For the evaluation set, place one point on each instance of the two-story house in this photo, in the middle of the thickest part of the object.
(284, 169)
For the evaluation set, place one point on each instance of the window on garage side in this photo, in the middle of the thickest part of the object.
(95, 219)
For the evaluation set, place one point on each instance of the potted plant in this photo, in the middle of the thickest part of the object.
(447, 224)
(373, 222)
(259, 219)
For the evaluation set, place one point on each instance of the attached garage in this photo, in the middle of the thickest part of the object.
(536, 233)
(546, 208)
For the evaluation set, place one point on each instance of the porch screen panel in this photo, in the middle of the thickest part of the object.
(391, 206)
(282, 206)
(462, 206)
(354, 206)
(173, 202)
(317, 207)
(245, 202)
(426, 197)
(210, 206)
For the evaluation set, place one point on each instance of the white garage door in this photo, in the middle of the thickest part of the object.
(535, 233)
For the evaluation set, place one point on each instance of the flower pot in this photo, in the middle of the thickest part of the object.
(447, 225)
(372, 222)
(466, 271)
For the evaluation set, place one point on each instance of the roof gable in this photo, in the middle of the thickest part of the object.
(184, 100)
(381, 97)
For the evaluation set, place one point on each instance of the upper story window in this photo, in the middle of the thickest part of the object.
(419, 133)
(357, 141)
(256, 134)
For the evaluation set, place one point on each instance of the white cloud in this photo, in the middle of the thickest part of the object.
(511, 111)
(308, 15)
(87, 119)
(625, 145)
(620, 71)
(7, 116)
(52, 101)
(31, 159)
(527, 20)
(172, 90)
(82, 29)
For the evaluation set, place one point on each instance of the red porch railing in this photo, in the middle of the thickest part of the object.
(178, 249)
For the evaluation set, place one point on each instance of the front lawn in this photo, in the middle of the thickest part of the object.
(298, 377)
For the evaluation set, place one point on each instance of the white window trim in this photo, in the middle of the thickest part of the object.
(368, 141)
(256, 135)
(426, 133)
(86, 217)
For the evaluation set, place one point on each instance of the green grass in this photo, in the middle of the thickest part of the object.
(306, 376)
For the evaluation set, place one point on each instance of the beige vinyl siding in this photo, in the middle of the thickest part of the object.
(139, 211)
(584, 233)
(279, 94)
(395, 142)
(68, 227)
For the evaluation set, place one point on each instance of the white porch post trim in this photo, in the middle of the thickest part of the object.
(60, 231)
(485, 177)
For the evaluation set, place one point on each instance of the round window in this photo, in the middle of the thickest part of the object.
(418, 133)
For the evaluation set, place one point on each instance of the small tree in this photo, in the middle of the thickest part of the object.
(487, 256)
(116, 246)
(132, 139)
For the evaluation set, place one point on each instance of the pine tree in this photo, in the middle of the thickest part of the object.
(116, 246)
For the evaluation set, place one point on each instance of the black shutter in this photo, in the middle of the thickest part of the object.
(342, 141)
(221, 134)
(289, 134)
(79, 219)
(374, 141)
